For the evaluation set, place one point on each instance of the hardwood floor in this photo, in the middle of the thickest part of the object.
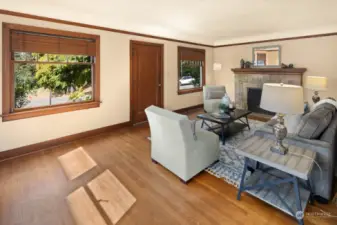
(34, 188)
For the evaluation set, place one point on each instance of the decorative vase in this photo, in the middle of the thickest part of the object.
(223, 108)
(242, 63)
(306, 107)
(224, 104)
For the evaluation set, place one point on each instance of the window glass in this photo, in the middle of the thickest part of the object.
(190, 74)
(39, 83)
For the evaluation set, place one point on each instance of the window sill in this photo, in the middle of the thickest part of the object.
(49, 110)
(182, 92)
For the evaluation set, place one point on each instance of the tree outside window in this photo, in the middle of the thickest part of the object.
(38, 83)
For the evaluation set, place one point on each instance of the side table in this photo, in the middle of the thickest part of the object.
(282, 192)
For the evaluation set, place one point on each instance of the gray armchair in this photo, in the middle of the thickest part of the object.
(212, 97)
(176, 147)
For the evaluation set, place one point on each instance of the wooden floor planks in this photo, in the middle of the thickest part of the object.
(34, 188)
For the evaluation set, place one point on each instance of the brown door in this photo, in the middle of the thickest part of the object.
(146, 78)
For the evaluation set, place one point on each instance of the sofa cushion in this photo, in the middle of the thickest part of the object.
(314, 123)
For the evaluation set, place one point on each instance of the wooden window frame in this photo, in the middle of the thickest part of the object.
(192, 90)
(8, 76)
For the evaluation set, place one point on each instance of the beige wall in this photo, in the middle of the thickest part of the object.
(115, 90)
(318, 55)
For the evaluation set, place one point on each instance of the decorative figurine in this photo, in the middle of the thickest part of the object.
(287, 66)
(306, 107)
(247, 64)
(242, 63)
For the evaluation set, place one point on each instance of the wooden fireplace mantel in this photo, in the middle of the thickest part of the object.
(270, 71)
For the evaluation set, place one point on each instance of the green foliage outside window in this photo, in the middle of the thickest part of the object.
(192, 68)
(59, 79)
(24, 83)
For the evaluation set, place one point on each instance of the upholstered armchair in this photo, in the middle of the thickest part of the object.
(177, 146)
(212, 97)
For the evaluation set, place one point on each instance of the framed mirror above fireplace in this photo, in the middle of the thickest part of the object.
(267, 56)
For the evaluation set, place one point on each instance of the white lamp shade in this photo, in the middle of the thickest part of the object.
(282, 98)
(316, 83)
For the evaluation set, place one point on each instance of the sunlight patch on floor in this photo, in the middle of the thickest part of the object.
(83, 209)
(113, 197)
(76, 163)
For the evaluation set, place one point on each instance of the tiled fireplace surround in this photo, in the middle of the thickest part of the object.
(245, 81)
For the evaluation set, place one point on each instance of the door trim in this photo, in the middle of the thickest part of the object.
(161, 75)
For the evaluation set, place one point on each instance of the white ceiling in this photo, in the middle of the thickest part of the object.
(204, 21)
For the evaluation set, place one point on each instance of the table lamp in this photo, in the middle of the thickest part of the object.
(316, 84)
(281, 99)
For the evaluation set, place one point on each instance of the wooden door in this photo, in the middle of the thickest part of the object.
(146, 78)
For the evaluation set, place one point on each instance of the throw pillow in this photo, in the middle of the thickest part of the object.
(328, 100)
(292, 122)
(314, 123)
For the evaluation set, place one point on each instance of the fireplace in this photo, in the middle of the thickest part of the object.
(244, 82)
(253, 101)
(249, 83)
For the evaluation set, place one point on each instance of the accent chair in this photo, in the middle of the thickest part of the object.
(212, 97)
(176, 145)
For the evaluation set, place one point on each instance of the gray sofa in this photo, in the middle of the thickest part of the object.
(325, 146)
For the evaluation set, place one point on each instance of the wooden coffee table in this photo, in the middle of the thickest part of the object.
(229, 126)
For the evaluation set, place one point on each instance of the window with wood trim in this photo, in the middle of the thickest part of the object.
(191, 70)
(48, 71)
